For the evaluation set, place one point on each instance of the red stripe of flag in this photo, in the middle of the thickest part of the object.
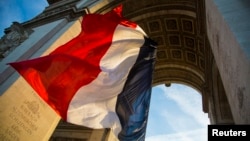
(57, 76)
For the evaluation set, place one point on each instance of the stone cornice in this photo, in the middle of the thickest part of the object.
(56, 11)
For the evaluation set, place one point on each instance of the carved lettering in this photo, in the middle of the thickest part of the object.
(24, 120)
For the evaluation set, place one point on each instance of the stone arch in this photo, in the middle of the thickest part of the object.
(179, 29)
(184, 53)
(188, 51)
(201, 44)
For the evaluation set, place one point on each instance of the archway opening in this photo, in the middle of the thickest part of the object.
(176, 114)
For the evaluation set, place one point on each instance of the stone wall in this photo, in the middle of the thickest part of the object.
(232, 62)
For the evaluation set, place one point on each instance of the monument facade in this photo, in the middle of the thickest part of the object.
(200, 44)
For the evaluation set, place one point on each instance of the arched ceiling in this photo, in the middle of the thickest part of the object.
(178, 27)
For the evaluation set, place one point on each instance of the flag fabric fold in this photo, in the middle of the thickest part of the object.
(133, 102)
(101, 78)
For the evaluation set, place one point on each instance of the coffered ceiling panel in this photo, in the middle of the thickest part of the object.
(178, 28)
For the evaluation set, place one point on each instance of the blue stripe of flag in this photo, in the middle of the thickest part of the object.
(133, 103)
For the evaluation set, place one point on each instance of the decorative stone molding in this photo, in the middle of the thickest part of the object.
(13, 38)
(56, 11)
(62, 9)
(52, 1)
(18, 33)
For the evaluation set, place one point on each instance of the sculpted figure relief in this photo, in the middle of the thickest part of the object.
(14, 38)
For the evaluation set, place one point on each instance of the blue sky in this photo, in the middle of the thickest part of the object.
(175, 112)
(176, 115)
(19, 10)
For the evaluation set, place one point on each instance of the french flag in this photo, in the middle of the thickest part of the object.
(101, 78)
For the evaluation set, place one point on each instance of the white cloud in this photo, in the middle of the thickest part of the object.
(179, 122)
(193, 135)
(177, 115)
(188, 100)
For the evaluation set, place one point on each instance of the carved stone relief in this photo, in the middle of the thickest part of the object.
(13, 39)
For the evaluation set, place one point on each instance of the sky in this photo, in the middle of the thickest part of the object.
(176, 115)
(19, 10)
(175, 112)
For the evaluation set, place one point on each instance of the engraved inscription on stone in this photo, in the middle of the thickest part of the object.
(22, 120)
